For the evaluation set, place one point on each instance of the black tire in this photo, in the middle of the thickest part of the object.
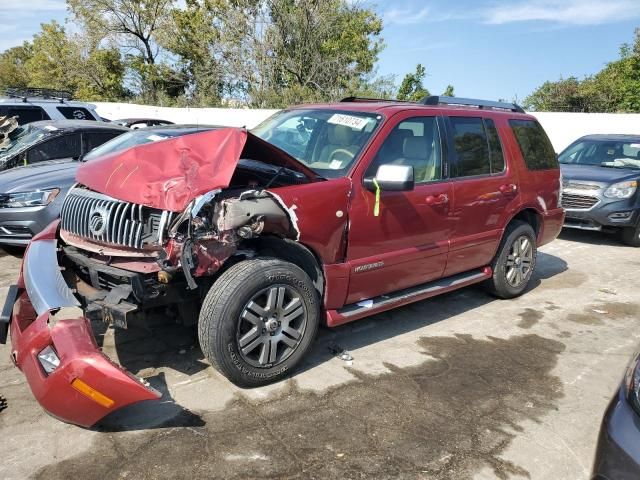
(501, 284)
(229, 315)
(631, 235)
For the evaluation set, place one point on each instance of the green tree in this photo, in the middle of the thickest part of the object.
(449, 91)
(616, 88)
(412, 87)
(135, 27)
(12, 66)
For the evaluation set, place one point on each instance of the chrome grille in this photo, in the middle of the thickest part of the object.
(105, 219)
(578, 202)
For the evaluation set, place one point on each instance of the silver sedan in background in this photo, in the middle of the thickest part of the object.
(31, 197)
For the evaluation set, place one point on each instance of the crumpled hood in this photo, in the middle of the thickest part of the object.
(51, 174)
(171, 173)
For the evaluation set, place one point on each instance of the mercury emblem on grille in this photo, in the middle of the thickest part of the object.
(98, 219)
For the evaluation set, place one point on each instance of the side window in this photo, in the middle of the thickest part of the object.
(27, 114)
(495, 147)
(95, 139)
(66, 146)
(471, 145)
(537, 151)
(414, 142)
(76, 113)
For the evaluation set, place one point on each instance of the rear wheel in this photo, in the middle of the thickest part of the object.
(515, 261)
(631, 235)
(258, 320)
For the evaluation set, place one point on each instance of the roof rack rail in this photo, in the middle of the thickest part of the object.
(471, 102)
(371, 100)
(33, 92)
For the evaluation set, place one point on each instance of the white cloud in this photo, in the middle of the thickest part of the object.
(405, 16)
(572, 12)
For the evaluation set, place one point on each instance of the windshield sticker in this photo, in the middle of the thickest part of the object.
(357, 123)
(155, 138)
(635, 145)
(51, 128)
(335, 165)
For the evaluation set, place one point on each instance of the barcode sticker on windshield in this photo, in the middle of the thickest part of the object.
(357, 123)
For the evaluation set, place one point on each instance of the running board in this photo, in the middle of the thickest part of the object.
(356, 311)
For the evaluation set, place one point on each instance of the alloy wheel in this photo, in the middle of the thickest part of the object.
(271, 326)
(519, 261)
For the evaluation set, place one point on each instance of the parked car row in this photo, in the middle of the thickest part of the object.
(322, 214)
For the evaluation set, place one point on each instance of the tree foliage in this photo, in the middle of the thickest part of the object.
(616, 88)
(57, 60)
(412, 87)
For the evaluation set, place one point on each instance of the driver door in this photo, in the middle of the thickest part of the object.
(408, 242)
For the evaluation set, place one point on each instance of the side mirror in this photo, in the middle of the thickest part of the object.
(392, 178)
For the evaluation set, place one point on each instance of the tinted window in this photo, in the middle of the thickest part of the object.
(495, 147)
(60, 147)
(25, 114)
(534, 144)
(471, 146)
(414, 142)
(95, 139)
(75, 113)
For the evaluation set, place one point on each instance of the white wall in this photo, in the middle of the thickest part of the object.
(562, 128)
(231, 117)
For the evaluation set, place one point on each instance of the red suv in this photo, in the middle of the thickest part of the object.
(322, 214)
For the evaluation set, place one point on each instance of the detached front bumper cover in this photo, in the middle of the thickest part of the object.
(86, 385)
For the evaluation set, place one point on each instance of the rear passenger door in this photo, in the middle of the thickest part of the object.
(484, 187)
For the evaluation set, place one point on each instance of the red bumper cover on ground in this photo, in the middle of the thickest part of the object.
(86, 385)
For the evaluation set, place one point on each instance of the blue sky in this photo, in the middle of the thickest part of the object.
(485, 48)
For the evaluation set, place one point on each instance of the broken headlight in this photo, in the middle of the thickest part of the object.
(49, 360)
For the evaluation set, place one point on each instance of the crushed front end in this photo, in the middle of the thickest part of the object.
(125, 259)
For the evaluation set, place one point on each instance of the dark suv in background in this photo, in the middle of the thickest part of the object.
(600, 188)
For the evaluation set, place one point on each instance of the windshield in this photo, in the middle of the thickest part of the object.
(23, 137)
(135, 138)
(603, 153)
(327, 141)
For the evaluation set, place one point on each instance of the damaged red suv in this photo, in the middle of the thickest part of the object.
(322, 214)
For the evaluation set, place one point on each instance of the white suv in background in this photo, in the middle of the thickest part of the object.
(34, 104)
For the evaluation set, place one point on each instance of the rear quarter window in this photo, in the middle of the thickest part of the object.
(76, 113)
(536, 148)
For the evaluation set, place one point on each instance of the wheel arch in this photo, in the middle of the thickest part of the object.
(528, 215)
(294, 252)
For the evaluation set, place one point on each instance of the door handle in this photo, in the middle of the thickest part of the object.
(508, 188)
(441, 199)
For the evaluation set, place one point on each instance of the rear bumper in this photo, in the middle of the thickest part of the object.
(34, 326)
(552, 221)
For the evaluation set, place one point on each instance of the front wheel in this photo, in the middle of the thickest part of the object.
(515, 261)
(258, 320)
(631, 235)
